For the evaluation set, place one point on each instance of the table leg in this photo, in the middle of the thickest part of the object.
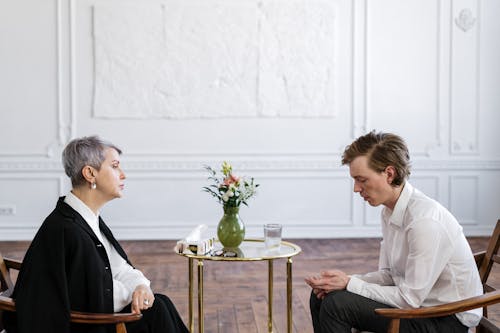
(289, 294)
(201, 329)
(190, 299)
(270, 297)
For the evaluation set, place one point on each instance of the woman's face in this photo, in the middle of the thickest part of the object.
(110, 177)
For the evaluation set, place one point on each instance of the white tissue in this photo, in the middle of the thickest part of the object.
(194, 239)
(195, 234)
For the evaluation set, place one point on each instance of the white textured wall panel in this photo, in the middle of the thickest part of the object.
(209, 128)
(190, 59)
(297, 58)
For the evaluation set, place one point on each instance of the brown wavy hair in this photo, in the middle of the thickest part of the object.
(382, 150)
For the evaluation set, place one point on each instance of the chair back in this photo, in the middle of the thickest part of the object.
(485, 261)
(6, 284)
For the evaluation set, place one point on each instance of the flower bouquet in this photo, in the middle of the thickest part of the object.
(231, 191)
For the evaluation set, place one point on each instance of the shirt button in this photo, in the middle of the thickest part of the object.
(99, 245)
(108, 290)
(106, 267)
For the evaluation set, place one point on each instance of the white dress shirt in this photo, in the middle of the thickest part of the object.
(425, 259)
(125, 277)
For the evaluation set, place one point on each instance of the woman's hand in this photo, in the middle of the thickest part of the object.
(328, 281)
(142, 298)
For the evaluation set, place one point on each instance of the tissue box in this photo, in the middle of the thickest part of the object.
(200, 247)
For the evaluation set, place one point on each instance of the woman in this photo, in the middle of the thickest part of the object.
(75, 264)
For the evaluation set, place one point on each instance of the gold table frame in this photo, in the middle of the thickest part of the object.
(257, 252)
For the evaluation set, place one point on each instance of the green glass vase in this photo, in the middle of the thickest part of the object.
(231, 230)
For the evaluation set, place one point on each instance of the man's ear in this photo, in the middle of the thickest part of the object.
(391, 173)
(88, 173)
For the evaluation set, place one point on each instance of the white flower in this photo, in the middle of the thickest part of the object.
(227, 195)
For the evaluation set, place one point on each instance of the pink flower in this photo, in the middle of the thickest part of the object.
(231, 179)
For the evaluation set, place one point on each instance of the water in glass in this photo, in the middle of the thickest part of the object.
(272, 235)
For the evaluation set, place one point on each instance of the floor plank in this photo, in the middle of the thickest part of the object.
(259, 306)
(245, 318)
(227, 320)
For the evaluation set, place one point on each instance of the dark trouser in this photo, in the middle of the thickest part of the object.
(162, 317)
(342, 310)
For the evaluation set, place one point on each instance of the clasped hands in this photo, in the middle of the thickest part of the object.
(142, 298)
(327, 281)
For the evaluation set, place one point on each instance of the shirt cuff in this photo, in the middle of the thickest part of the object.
(355, 285)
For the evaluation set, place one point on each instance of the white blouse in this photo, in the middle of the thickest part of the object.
(125, 277)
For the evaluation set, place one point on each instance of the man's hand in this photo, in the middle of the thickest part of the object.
(328, 281)
(142, 298)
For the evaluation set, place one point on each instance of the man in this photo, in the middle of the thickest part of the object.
(425, 259)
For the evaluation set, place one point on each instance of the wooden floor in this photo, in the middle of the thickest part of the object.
(236, 293)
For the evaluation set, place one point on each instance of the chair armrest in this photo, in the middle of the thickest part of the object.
(8, 304)
(13, 263)
(103, 318)
(444, 309)
(478, 256)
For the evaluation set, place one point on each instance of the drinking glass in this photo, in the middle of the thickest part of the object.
(272, 236)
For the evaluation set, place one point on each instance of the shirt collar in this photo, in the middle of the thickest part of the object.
(81, 208)
(398, 213)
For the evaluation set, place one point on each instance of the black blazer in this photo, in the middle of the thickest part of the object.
(65, 268)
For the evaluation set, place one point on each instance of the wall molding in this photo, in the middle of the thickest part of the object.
(358, 70)
(465, 20)
(306, 163)
(25, 232)
(464, 77)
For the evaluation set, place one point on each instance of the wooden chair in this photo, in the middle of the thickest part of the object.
(484, 261)
(8, 304)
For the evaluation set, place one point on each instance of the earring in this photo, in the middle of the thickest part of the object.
(93, 186)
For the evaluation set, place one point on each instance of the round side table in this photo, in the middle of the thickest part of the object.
(249, 250)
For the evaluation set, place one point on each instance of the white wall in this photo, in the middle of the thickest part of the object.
(276, 87)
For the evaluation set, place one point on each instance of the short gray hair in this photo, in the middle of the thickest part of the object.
(80, 152)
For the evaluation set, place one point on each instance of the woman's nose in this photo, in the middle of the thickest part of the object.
(357, 188)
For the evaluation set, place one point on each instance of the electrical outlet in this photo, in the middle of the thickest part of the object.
(7, 210)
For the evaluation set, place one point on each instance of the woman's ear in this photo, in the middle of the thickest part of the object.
(88, 173)
(391, 173)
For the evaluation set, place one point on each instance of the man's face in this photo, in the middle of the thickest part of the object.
(375, 187)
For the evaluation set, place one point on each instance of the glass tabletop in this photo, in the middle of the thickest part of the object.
(249, 250)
